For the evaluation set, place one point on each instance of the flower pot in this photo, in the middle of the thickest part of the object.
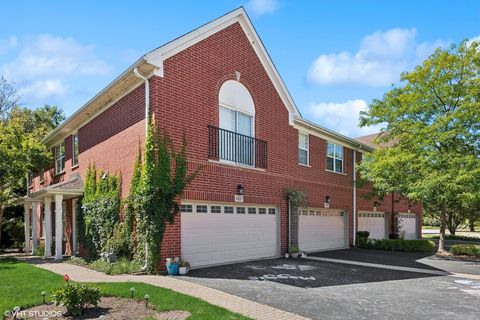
(294, 255)
(183, 271)
(172, 268)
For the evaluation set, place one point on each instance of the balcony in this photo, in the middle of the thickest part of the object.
(237, 148)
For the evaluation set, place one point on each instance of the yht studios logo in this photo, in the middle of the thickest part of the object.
(16, 313)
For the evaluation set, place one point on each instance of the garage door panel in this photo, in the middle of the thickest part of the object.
(215, 238)
(408, 225)
(373, 222)
(321, 231)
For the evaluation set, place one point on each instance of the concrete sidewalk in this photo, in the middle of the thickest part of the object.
(233, 303)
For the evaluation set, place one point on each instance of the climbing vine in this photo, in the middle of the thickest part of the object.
(100, 209)
(164, 177)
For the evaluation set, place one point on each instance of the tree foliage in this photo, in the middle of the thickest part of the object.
(432, 129)
(21, 149)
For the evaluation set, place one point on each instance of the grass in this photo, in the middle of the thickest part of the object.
(22, 283)
(451, 237)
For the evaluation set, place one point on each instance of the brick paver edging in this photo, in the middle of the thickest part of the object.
(233, 303)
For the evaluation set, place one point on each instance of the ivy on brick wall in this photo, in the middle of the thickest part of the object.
(164, 177)
(100, 209)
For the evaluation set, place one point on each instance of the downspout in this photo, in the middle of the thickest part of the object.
(147, 111)
(354, 196)
(289, 224)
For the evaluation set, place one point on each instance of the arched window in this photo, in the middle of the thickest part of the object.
(236, 122)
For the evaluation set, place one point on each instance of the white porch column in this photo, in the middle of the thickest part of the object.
(74, 227)
(58, 226)
(26, 217)
(48, 227)
(34, 225)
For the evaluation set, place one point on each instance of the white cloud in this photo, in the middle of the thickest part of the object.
(45, 64)
(477, 39)
(261, 7)
(379, 61)
(341, 117)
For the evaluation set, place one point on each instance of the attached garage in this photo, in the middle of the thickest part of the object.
(408, 226)
(322, 229)
(214, 234)
(373, 222)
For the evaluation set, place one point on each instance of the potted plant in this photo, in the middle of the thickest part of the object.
(183, 267)
(172, 267)
(294, 252)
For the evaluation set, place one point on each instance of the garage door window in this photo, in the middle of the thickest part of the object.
(240, 210)
(271, 211)
(228, 209)
(252, 210)
(215, 209)
(186, 208)
(262, 210)
(202, 208)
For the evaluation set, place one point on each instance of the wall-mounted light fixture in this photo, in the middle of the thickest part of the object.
(327, 202)
(409, 208)
(239, 189)
(375, 206)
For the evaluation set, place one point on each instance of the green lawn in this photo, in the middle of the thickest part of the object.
(21, 285)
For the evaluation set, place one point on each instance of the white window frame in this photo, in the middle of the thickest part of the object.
(59, 159)
(305, 149)
(335, 158)
(74, 156)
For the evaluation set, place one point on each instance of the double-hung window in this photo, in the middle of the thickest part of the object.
(59, 158)
(334, 157)
(75, 150)
(303, 148)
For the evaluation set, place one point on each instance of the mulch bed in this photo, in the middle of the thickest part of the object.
(450, 256)
(108, 308)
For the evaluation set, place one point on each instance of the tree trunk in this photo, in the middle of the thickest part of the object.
(443, 223)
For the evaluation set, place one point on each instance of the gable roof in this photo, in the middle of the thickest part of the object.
(151, 64)
(369, 140)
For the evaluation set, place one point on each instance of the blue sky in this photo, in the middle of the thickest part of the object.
(335, 56)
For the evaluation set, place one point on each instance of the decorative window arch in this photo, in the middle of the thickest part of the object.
(236, 123)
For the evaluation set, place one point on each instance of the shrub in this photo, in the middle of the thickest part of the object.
(363, 234)
(397, 245)
(40, 251)
(76, 298)
(14, 230)
(118, 244)
(466, 250)
(119, 267)
(457, 237)
(77, 261)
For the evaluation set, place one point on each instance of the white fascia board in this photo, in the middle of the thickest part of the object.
(329, 135)
(157, 56)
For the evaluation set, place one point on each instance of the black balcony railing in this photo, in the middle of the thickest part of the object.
(236, 147)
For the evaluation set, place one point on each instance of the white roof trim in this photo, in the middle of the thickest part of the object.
(157, 56)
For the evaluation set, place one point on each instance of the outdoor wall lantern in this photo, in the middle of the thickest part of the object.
(409, 208)
(327, 202)
(240, 189)
(375, 206)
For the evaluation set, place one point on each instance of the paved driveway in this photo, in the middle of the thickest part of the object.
(326, 290)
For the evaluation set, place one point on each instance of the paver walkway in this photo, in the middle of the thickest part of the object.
(233, 303)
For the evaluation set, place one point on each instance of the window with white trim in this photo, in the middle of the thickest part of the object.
(202, 208)
(216, 209)
(75, 150)
(303, 148)
(186, 208)
(59, 151)
(334, 157)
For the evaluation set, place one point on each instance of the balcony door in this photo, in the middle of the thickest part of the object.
(236, 137)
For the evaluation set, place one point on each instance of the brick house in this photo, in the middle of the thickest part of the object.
(217, 86)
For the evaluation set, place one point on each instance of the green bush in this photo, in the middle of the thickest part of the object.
(397, 245)
(119, 267)
(294, 250)
(119, 242)
(40, 251)
(363, 234)
(14, 231)
(76, 298)
(457, 237)
(466, 250)
(77, 261)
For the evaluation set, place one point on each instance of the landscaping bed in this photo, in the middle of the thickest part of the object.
(122, 266)
(397, 245)
(21, 284)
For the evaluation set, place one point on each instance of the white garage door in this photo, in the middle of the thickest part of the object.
(373, 222)
(216, 233)
(321, 229)
(408, 226)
